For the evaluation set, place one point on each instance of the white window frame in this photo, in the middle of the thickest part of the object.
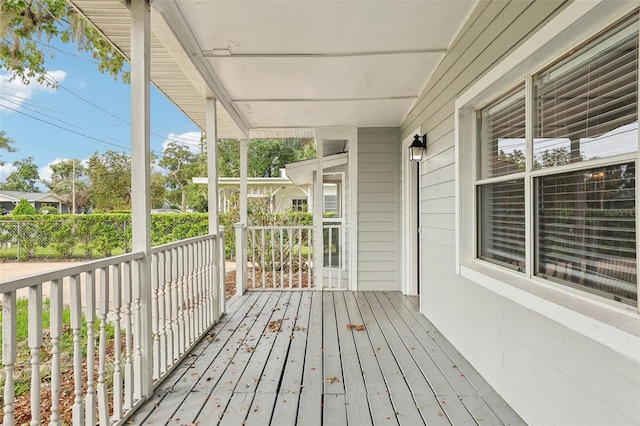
(297, 203)
(612, 323)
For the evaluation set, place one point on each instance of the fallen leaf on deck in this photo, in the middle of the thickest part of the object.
(357, 327)
(275, 325)
(331, 379)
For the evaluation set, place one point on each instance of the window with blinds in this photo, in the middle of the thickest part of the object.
(502, 223)
(587, 233)
(502, 142)
(586, 104)
(581, 177)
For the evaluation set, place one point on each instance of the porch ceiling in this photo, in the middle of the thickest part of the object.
(282, 68)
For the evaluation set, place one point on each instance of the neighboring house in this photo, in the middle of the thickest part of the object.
(9, 199)
(531, 273)
(281, 193)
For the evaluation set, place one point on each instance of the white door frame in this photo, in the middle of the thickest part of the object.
(410, 240)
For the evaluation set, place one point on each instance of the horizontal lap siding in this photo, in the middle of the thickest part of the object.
(549, 373)
(378, 208)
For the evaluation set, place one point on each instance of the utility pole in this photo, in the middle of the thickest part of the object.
(73, 187)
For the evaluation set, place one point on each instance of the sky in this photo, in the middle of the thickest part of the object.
(88, 112)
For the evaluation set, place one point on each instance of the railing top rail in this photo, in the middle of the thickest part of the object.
(275, 227)
(176, 244)
(55, 274)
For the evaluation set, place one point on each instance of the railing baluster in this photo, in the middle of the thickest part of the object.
(155, 320)
(281, 260)
(137, 330)
(9, 343)
(128, 336)
(310, 258)
(202, 300)
(330, 255)
(90, 316)
(191, 306)
(181, 300)
(212, 290)
(55, 331)
(219, 246)
(206, 317)
(300, 257)
(272, 250)
(263, 263)
(253, 258)
(212, 296)
(117, 343)
(175, 324)
(162, 310)
(290, 237)
(35, 342)
(103, 402)
(76, 325)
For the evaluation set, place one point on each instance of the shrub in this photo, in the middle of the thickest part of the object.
(48, 210)
(23, 208)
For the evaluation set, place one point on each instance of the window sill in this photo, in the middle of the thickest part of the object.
(610, 324)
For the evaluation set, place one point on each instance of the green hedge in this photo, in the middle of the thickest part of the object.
(68, 237)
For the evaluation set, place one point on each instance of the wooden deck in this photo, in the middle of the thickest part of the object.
(286, 358)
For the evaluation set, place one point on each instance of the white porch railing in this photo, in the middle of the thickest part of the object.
(274, 257)
(334, 255)
(98, 305)
(281, 257)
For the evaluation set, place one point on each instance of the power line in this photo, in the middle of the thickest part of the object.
(68, 130)
(66, 52)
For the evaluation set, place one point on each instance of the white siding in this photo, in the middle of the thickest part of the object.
(378, 208)
(547, 372)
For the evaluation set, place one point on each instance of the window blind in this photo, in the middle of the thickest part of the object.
(587, 236)
(502, 223)
(502, 137)
(586, 104)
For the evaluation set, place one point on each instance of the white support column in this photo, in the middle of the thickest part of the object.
(243, 181)
(213, 194)
(309, 193)
(212, 164)
(318, 200)
(140, 176)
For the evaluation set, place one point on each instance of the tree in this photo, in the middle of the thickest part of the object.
(555, 157)
(25, 25)
(24, 179)
(265, 157)
(158, 190)
(110, 177)
(181, 164)
(5, 143)
(24, 207)
(69, 177)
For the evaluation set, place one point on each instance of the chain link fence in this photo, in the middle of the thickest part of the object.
(63, 240)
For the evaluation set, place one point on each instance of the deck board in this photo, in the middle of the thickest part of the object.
(397, 370)
(333, 377)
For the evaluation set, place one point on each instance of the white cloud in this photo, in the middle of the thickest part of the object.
(6, 170)
(190, 140)
(14, 92)
(45, 172)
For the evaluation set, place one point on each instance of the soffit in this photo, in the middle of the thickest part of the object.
(283, 68)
